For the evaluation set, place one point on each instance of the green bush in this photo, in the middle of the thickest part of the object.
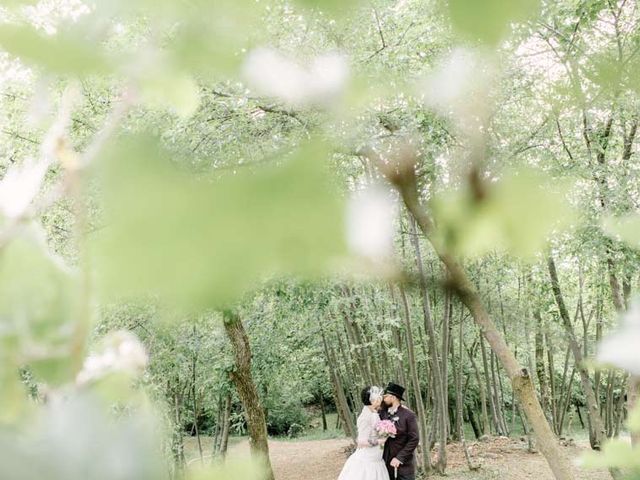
(286, 417)
(295, 430)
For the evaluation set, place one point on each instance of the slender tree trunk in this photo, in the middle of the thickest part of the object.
(405, 181)
(499, 397)
(474, 423)
(247, 391)
(460, 402)
(217, 430)
(415, 381)
(486, 427)
(596, 427)
(540, 371)
(194, 397)
(489, 385)
(439, 388)
(446, 340)
(344, 413)
(178, 442)
(226, 425)
(397, 338)
(552, 379)
(323, 412)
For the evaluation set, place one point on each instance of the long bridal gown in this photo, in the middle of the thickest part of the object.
(366, 462)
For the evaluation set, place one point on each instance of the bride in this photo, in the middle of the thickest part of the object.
(366, 462)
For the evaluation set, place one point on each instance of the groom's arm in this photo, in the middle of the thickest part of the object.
(413, 438)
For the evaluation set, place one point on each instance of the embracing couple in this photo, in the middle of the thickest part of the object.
(387, 438)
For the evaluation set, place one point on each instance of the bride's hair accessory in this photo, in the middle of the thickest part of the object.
(375, 393)
(370, 394)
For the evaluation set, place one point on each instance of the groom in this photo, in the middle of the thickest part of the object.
(398, 451)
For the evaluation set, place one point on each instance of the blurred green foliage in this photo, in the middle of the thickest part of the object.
(489, 21)
(203, 243)
(516, 213)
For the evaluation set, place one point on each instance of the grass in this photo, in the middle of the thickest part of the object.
(312, 433)
(316, 433)
(191, 453)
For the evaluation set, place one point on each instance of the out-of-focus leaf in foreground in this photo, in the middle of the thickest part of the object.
(204, 243)
(74, 439)
(516, 214)
(245, 470)
(488, 21)
(170, 89)
(37, 306)
(61, 53)
(615, 453)
(625, 228)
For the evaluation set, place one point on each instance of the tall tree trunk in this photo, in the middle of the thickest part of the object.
(226, 425)
(497, 392)
(459, 400)
(397, 339)
(540, 371)
(247, 391)
(178, 442)
(489, 388)
(415, 383)
(596, 427)
(217, 430)
(446, 340)
(194, 396)
(552, 379)
(404, 179)
(486, 427)
(344, 413)
(438, 386)
(323, 412)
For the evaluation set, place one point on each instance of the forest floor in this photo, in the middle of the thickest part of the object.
(499, 458)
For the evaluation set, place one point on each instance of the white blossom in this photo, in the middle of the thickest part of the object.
(621, 348)
(19, 187)
(370, 226)
(459, 87)
(122, 352)
(273, 74)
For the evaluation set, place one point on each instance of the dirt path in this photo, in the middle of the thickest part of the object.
(500, 458)
(312, 460)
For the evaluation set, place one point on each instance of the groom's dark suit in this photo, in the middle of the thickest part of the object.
(404, 444)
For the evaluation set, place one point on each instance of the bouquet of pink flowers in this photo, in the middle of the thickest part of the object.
(385, 429)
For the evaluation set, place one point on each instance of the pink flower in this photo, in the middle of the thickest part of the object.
(386, 428)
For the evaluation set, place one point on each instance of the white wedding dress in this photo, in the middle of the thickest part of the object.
(366, 462)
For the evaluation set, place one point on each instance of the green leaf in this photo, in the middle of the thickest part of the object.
(13, 395)
(634, 419)
(61, 53)
(36, 297)
(626, 229)
(213, 42)
(517, 214)
(170, 89)
(247, 470)
(615, 453)
(204, 243)
(37, 304)
(488, 21)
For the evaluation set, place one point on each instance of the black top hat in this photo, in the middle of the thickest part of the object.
(395, 390)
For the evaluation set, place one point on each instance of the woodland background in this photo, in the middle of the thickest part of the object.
(223, 219)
